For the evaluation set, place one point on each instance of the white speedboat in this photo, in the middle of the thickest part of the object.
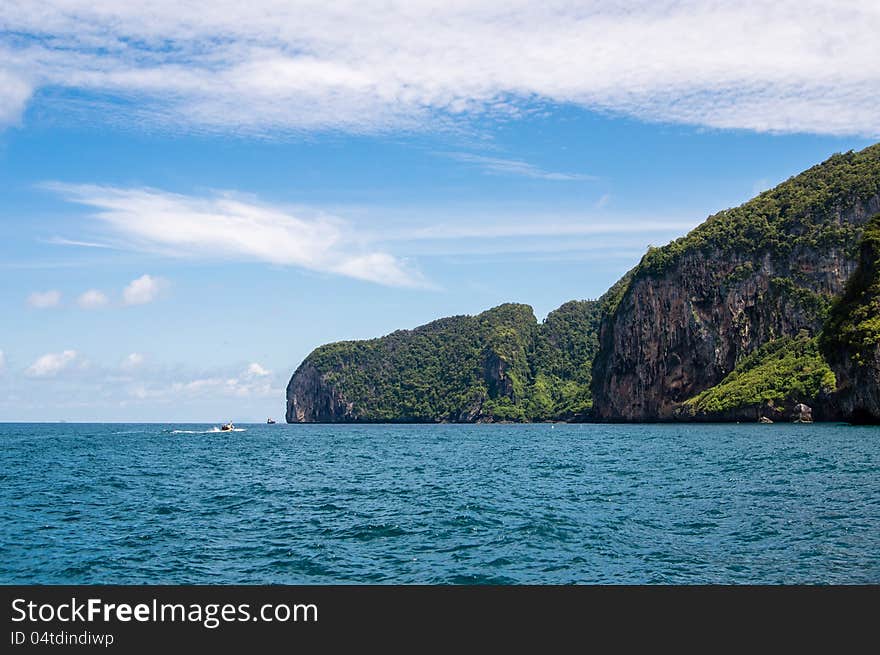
(227, 427)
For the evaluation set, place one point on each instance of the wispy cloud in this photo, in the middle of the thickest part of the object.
(256, 370)
(50, 364)
(379, 249)
(61, 241)
(226, 227)
(44, 299)
(263, 66)
(535, 226)
(243, 384)
(515, 167)
(62, 380)
(92, 299)
(553, 236)
(132, 361)
(15, 91)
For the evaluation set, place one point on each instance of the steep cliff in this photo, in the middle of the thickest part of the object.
(770, 383)
(498, 365)
(851, 339)
(768, 269)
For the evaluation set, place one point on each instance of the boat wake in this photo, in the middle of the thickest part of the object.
(211, 431)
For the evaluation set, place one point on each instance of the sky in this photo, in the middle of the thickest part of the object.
(194, 195)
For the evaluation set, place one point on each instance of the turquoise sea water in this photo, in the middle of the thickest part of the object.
(113, 503)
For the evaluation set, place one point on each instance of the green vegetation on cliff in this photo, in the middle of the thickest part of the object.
(802, 211)
(432, 372)
(566, 343)
(782, 372)
(854, 322)
(500, 365)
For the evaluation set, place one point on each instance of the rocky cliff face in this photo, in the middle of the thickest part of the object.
(674, 336)
(771, 383)
(310, 398)
(859, 396)
(765, 270)
(851, 340)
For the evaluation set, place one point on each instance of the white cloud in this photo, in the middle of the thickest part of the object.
(44, 299)
(477, 233)
(50, 364)
(143, 290)
(61, 241)
(226, 227)
(62, 384)
(218, 386)
(14, 94)
(782, 65)
(256, 370)
(228, 387)
(528, 227)
(515, 167)
(132, 361)
(162, 385)
(92, 299)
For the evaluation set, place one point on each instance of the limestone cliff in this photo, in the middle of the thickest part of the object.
(851, 340)
(775, 382)
(767, 269)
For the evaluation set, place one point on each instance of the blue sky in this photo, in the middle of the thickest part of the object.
(193, 201)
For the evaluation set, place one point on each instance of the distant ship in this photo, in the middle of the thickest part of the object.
(227, 427)
(270, 421)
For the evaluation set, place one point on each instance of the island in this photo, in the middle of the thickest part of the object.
(765, 312)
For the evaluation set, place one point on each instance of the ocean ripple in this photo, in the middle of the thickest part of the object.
(440, 504)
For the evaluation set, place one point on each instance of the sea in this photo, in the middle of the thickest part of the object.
(440, 504)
